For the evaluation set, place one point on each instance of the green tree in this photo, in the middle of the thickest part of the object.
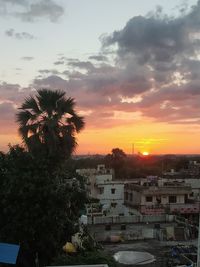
(87, 258)
(48, 124)
(39, 209)
(117, 160)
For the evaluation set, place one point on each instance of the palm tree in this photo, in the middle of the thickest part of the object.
(48, 123)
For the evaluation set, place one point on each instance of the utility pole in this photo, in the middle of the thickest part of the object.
(133, 148)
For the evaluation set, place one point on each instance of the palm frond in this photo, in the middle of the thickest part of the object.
(23, 131)
(31, 103)
(23, 117)
(77, 121)
(66, 105)
(34, 128)
(48, 99)
(67, 130)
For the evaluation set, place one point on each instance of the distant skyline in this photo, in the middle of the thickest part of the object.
(133, 68)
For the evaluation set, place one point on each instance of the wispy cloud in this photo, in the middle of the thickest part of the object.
(19, 35)
(59, 62)
(27, 58)
(31, 10)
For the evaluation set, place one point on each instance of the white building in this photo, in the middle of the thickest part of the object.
(160, 198)
(110, 193)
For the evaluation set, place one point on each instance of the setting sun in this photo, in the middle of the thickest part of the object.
(145, 153)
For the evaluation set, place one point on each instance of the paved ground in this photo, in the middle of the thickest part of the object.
(157, 248)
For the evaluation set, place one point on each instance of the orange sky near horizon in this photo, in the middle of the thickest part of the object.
(153, 137)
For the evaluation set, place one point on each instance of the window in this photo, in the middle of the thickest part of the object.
(131, 197)
(126, 195)
(101, 190)
(149, 199)
(123, 227)
(158, 200)
(107, 227)
(113, 190)
(113, 204)
(172, 199)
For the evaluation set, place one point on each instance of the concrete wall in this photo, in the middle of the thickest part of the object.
(116, 235)
(136, 198)
(132, 232)
(102, 178)
(107, 195)
(130, 219)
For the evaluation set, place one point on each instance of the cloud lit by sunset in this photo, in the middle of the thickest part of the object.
(135, 77)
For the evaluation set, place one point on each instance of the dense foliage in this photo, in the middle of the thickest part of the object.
(38, 208)
(88, 257)
(116, 160)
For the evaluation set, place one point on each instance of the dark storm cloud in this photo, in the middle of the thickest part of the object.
(29, 10)
(19, 35)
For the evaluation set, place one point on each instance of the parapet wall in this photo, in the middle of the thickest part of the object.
(130, 219)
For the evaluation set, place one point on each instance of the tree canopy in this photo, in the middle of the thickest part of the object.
(39, 209)
(48, 123)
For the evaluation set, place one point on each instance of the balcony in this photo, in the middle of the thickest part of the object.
(152, 210)
(184, 208)
(170, 208)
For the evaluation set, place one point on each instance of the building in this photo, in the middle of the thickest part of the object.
(194, 169)
(100, 174)
(160, 198)
(109, 192)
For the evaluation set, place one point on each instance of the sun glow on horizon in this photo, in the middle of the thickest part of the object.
(145, 153)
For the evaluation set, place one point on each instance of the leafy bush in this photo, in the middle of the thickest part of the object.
(89, 257)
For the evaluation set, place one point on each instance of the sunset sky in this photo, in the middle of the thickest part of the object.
(133, 68)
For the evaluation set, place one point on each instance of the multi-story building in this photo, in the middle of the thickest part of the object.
(109, 192)
(190, 176)
(161, 197)
(93, 176)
